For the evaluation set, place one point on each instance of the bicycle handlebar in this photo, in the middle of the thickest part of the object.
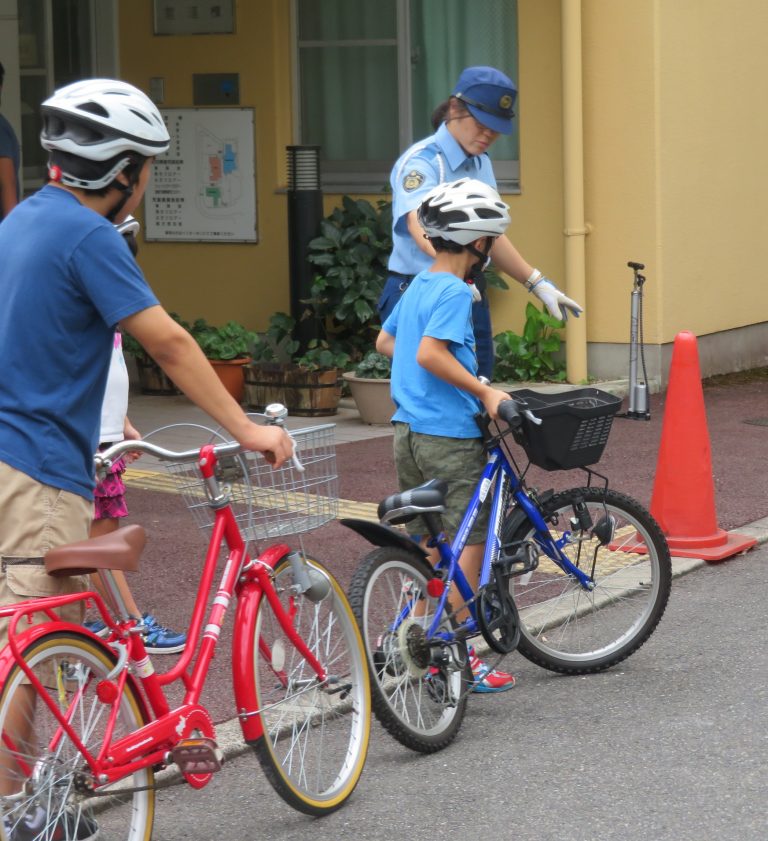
(511, 411)
(104, 460)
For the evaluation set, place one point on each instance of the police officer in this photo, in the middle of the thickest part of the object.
(477, 112)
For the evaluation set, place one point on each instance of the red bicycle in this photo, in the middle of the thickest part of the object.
(85, 722)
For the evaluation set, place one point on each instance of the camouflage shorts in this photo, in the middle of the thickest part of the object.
(458, 461)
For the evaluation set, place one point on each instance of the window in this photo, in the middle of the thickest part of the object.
(59, 42)
(370, 72)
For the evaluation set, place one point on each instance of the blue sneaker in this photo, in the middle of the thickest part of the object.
(161, 640)
(486, 678)
(97, 627)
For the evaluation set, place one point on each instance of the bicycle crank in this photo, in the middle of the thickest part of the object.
(498, 619)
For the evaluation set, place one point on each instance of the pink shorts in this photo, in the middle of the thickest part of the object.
(109, 496)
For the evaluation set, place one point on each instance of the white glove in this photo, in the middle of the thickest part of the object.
(553, 299)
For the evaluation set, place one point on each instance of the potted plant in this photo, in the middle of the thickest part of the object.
(307, 383)
(227, 348)
(370, 387)
(536, 355)
(152, 378)
(350, 256)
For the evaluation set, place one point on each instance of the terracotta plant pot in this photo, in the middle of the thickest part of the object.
(230, 373)
(302, 392)
(372, 398)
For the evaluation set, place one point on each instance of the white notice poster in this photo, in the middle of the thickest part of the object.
(203, 189)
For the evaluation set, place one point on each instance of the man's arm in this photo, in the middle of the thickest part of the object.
(434, 355)
(8, 196)
(179, 355)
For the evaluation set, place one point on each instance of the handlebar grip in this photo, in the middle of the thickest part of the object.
(510, 413)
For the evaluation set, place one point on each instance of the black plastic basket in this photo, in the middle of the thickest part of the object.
(574, 429)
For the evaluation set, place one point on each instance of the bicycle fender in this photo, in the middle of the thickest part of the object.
(381, 535)
(26, 638)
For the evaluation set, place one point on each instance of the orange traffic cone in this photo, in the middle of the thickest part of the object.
(683, 498)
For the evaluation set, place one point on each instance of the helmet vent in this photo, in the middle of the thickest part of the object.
(94, 108)
(141, 116)
(487, 213)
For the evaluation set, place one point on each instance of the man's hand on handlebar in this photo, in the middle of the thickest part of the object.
(272, 441)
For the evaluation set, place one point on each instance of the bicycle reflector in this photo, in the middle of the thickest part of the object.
(435, 587)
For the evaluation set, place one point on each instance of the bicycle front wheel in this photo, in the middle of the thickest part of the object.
(315, 737)
(419, 691)
(45, 783)
(568, 629)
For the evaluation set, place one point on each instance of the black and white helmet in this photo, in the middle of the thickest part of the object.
(101, 120)
(463, 211)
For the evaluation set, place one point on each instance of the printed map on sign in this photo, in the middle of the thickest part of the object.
(221, 188)
(204, 188)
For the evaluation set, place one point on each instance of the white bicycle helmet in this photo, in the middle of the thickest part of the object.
(100, 120)
(463, 211)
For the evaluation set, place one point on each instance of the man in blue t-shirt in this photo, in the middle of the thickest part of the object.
(435, 386)
(9, 162)
(67, 279)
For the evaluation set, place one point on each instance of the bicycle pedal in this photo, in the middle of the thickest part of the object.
(518, 558)
(198, 756)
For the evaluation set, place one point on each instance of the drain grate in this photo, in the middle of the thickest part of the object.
(757, 421)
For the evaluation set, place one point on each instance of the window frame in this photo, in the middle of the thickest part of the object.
(364, 176)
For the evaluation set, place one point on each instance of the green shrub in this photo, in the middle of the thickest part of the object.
(374, 366)
(231, 341)
(351, 257)
(532, 355)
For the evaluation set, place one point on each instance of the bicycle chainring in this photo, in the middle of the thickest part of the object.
(498, 619)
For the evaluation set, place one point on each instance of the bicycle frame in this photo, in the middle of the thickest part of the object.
(499, 475)
(245, 578)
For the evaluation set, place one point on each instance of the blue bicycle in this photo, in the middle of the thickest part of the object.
(576, 580)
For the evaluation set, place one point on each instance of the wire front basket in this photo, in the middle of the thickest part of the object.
(268, 502)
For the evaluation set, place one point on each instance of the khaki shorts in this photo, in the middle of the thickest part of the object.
(458, 461)
(35, 518)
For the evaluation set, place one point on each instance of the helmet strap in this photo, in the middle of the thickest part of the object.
(475, 272)
(133, 172)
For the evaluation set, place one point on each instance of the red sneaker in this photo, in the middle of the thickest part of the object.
(488, 679)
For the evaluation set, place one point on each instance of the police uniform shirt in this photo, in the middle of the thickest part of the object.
(432, 161)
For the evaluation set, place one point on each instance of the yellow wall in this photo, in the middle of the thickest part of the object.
(243, 281)
(675, 139)
(713, 179)
(675, 164)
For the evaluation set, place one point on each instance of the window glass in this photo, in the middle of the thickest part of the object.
(353, 68)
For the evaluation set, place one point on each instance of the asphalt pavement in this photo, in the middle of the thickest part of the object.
(668, 746)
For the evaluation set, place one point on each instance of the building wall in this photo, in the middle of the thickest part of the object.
(675, 177)
(243, 281)
(674, 140)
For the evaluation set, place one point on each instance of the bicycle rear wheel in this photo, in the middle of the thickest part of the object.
(418, 698)
(568, 629)
(44, 779)
(315, 738)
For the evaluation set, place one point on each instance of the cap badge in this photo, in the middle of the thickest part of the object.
(505, 103)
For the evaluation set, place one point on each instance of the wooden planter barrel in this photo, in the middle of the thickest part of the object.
(152, 378)
(302, 392)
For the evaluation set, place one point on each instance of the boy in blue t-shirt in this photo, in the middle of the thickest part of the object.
(435, 387)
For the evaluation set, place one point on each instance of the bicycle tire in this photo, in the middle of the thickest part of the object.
(314, 742)
(52, 801)
(574, 631)
(421, 707)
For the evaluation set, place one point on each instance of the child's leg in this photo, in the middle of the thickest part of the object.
(105, 526)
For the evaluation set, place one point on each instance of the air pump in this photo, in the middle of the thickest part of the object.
(638, 389)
